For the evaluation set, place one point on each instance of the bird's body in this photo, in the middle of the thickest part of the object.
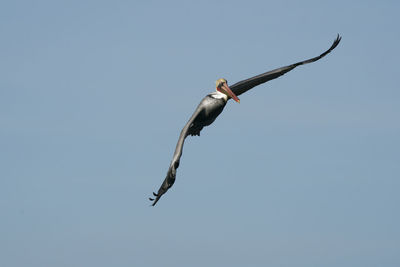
(213, 104)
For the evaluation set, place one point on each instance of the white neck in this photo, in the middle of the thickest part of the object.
(219, 95)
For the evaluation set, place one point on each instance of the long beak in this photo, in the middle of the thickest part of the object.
(230, 93)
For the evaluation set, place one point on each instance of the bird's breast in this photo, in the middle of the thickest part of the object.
(212, 107)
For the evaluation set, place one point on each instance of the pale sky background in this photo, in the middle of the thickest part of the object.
(303, 172)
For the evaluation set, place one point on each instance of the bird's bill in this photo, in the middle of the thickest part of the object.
(230, 93)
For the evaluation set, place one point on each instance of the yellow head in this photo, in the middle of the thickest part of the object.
(219, 82)
(222, 86)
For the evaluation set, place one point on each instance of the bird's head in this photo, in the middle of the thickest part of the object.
(222, 86)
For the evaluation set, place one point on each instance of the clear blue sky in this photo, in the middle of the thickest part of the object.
(303, 172)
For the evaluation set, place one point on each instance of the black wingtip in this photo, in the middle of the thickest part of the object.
(333, 46)
(155, 201)
(336, 42)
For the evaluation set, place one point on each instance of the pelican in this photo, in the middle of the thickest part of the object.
(213, 104)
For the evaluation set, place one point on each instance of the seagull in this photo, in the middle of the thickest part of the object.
(213, 104)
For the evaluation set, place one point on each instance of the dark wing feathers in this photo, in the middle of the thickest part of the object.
(245, 85)
(171, 174)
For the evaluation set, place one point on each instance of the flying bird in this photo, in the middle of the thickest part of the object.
(213, 104)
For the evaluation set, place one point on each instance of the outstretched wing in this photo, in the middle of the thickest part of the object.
(245, 85)
(171, 174)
